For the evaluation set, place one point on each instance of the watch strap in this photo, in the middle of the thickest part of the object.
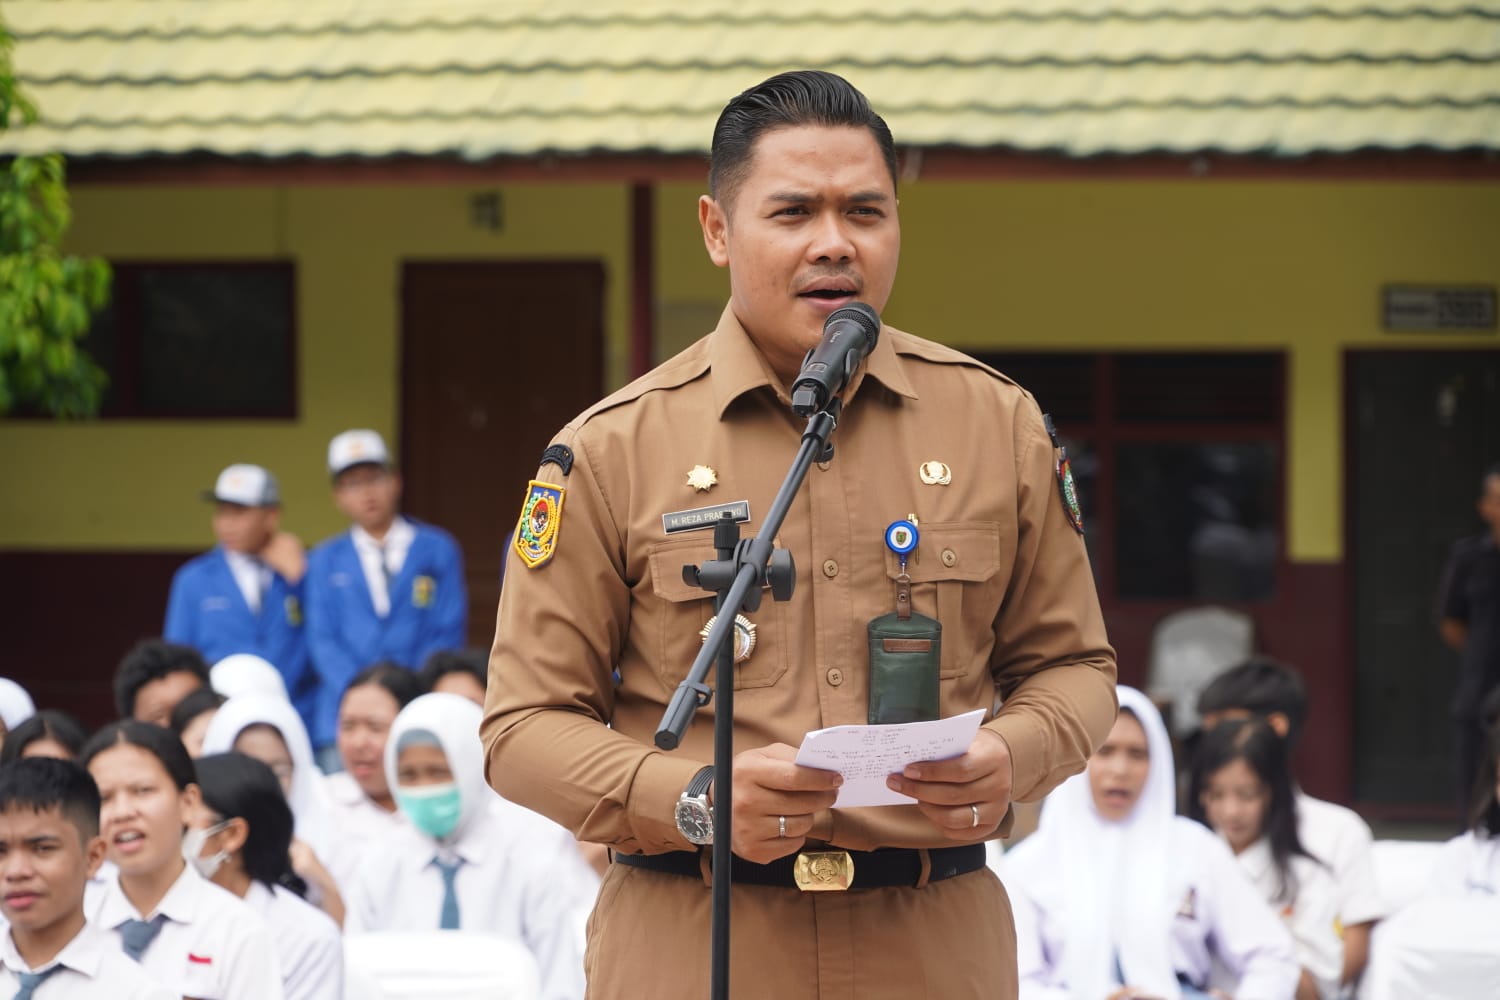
(699, 785)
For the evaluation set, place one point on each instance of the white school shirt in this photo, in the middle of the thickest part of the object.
(398, 539)
(93, 968)
(1341, 840)
(309, 946)
(522, 877)
(1219, 915)
(212, 946)
(251, 575)
(1467, 865)
(1312, 916)
(355, 823)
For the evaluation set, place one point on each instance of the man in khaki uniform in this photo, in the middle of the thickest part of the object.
(597, 627)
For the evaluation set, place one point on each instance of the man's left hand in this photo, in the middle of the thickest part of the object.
(965, 797)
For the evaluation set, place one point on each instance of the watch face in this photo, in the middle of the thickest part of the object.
(695, 821)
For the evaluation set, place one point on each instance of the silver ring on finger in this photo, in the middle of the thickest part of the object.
(975, 810)
(781, 826)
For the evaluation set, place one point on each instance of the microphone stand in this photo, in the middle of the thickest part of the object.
(736, 576)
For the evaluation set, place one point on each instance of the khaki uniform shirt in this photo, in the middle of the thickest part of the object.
(999, 564)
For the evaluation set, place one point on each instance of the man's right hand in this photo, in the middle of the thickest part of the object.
(769, 784)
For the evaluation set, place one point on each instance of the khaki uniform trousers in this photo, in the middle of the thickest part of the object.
(649, 936)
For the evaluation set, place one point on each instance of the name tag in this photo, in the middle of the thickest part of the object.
(214, 604)
(704, 517)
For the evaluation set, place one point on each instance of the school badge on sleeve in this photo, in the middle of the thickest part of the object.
(541, 517)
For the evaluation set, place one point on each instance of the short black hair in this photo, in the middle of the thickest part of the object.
(1261, 686)
(151, 660)
(192, 705)
(42, 783)
(801, 97)
(48, 724)
(403, 684)
(237, 786)
(471, 661)
(160, 743)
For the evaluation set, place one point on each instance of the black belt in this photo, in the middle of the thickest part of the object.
(890, 866)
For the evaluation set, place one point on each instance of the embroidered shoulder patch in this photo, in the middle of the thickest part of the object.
(559, 455)
(1068, 490)
(541, 518)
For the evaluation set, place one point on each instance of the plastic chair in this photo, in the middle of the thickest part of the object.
(1436, 949)
(1189, 648)
(438, 965)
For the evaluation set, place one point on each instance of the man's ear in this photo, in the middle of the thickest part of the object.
(715, 223)
(1279, 722)
(93, 855)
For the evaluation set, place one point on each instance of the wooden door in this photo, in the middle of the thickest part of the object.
(496, 357)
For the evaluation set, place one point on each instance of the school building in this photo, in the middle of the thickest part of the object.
(1245, 253)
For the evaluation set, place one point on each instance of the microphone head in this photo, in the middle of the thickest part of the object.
(862, 314)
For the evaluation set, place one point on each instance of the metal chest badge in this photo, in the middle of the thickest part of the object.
(541, 519)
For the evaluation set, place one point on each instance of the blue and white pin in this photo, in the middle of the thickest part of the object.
(901, 537)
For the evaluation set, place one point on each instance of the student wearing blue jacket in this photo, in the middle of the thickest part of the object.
(390, 589)
(245, 594)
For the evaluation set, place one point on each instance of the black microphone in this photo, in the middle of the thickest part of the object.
(849, 335)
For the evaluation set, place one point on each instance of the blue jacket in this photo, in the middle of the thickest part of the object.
(207, 611)
(429, 612)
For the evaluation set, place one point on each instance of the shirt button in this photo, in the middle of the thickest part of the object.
(835, 676)
(949, 557)
(830, 568)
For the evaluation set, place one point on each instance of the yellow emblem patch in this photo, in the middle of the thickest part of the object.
(293, 611)
(422, 590)
(541, 519)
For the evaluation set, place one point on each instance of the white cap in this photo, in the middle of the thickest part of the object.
(353, 448)
(246, 485)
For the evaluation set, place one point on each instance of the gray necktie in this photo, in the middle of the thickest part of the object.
(31, 980)
(449, 919)
(137, 935)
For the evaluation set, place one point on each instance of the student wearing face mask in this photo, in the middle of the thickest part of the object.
(268, 728)
(185, 932)
(240, 839)
(470, 860)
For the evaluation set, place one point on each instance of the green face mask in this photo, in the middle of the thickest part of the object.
(433, 809)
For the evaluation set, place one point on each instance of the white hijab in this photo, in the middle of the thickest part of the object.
(454, 720)
(16, 705)
(308, 797)
(1115, 875)
(246, 673)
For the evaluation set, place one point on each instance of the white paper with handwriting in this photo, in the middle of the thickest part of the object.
(866, 755)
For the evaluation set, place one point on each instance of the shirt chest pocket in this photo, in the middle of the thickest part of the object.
(672, 614)
(956, 578)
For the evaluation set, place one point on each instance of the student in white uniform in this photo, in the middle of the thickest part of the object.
(1337, 836)
(49, 848)
(362, 809)
(269, 729)
(1242, 789)
(240, 840)
(185, 932)
(470, 860)
(1116, 897)
(1469, 864)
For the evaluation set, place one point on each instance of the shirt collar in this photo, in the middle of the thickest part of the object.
(736, 366)
(398, 536)
(85, 953)
(178, 905)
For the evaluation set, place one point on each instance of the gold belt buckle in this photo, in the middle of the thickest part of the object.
(824, 871)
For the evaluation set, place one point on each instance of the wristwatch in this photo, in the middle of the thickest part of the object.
(695, 817)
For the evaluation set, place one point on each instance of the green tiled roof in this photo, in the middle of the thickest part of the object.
(474, 80)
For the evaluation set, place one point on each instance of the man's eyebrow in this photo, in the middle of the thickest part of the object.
(803, 197)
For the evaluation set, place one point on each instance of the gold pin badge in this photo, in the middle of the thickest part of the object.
(744, 636)
(702, 478)
(935, 473)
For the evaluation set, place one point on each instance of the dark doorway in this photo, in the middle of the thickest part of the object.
(1422, 426)
(496, 358)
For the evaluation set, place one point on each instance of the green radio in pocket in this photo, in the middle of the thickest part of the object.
(905, 652)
